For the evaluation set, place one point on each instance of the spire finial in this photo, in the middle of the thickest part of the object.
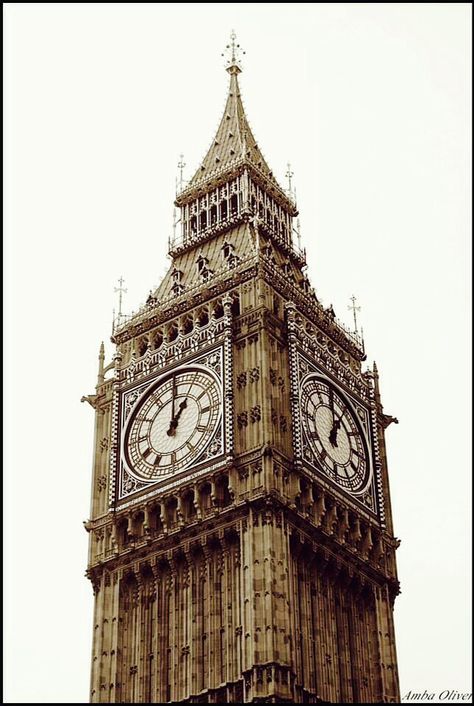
(181, 166)
(120, 289)
(289, 174)
(233, 51)
(354, 308)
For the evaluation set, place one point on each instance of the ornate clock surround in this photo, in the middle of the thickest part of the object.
(370, 499)
(211, 362)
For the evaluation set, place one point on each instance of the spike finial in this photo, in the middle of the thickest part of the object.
(354, 309)
(121, 290)
(181, 166)
(289, 174)
(233, 51)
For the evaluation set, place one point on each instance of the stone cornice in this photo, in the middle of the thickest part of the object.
(146, 319)
(310, 308)
(330, 538)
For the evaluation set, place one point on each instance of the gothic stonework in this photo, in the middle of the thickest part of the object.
(241, 539)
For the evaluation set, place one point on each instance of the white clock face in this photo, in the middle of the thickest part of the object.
(172, 424)
(334, 434)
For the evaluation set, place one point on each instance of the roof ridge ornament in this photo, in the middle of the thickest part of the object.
(233, 52)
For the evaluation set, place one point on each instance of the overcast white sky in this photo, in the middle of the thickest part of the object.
(371, 104)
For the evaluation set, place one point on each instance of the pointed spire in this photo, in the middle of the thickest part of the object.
(234, 140)
(375, 374)
(100, 375)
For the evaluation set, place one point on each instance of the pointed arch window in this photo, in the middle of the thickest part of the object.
(230, 259)
(202, 263)
(234, 204)
(227, 250)
(223, 210)
(203, 270)
(288, 270)
(177, 287)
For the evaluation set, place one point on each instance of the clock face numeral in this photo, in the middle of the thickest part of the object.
(334, 434)
(172, 423)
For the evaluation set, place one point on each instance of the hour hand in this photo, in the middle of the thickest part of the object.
(182, 406)
(333, 432)
(174, 422)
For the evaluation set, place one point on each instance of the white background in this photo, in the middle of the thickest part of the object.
(371, 105)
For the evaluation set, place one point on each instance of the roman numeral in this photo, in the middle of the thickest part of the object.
(173, 457)
(205, 391)
(157, 460)
(146, 453)
(205, 409)
(314, 435)
(142, 438)
(190, 446)
(201, 427)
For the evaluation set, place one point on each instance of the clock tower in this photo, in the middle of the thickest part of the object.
(241, 539)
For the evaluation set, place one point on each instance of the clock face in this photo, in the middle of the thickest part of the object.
(334, 435)
(172, 423)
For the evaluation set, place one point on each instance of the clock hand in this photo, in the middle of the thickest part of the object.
(335, 428)
(331, 402)
(174, 422)
(182, 406)
(173, 396)
(333, 433)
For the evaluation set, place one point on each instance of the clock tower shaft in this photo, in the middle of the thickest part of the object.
(245, 571)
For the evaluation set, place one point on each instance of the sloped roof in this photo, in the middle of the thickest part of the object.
(234, 138)
(211, 250)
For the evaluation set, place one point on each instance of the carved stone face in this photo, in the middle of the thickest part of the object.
(334, 434)
(172, 423)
